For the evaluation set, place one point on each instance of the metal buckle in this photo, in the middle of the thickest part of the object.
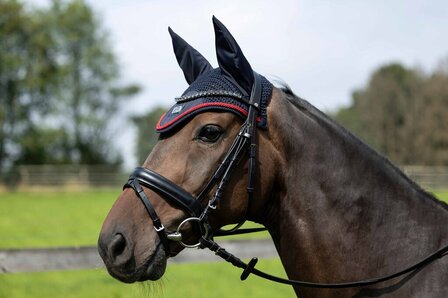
(159, 229)
(177, 236)
(210, 206)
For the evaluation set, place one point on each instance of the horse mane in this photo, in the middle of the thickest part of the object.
(329, 123)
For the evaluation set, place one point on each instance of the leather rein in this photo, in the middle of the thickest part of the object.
(245, 141)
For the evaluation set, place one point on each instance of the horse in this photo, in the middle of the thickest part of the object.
(234, 148)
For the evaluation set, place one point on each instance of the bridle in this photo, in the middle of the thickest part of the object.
(245, 141)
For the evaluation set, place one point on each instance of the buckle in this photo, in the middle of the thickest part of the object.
(159, 229)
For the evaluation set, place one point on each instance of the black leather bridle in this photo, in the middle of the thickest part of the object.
(245, 141)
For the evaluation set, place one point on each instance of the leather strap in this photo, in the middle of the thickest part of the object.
(250, 268)
(158, 226)
(168, 190)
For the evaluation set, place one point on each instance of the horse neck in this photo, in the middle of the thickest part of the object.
(344, 211)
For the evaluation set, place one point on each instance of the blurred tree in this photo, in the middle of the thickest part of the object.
(432, 137)
(146, 133)
(88, 96)
(402, 113)
(27, 76)
(44, 146)
(59, 85)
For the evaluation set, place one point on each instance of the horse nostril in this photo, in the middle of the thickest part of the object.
(117, 246)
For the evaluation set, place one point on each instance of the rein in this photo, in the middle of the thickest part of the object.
(249, 268)
(244, 141)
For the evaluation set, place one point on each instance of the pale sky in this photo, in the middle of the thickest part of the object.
(322, 49)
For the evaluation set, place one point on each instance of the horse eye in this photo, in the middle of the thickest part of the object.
(210, 133)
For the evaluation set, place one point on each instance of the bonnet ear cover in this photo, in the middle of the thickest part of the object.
(231, 60)
(223, 89)
(192, 63)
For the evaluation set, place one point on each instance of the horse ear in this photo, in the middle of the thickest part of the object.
(192, 63)
(231, 59)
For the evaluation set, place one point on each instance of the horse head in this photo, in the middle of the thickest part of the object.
(168, 203)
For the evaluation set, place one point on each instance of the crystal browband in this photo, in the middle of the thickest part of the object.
(217, 93)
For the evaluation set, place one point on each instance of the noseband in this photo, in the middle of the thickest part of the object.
(193, 207)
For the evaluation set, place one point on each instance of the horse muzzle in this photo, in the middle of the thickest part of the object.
(118, 249)
(119, 255)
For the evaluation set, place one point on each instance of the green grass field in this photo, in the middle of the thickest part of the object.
(43, 219)
(181, 280)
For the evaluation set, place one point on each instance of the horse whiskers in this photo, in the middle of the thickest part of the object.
(153, 289)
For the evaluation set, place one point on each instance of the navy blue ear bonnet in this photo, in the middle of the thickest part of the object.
(226, 88)
(212, 91)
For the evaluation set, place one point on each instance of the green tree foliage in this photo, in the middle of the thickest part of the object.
(403, 113)
(27, 76)
(59, 85)
(146, 133)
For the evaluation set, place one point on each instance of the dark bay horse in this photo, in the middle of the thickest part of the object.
(336, 210)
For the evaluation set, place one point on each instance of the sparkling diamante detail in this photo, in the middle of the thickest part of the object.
(217, 93)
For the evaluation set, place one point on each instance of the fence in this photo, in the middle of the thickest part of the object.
(82, 176)
(65, 176)
(428, 177)
(66, 258)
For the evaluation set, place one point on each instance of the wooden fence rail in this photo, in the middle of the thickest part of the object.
(66, 258)
(87, 176)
